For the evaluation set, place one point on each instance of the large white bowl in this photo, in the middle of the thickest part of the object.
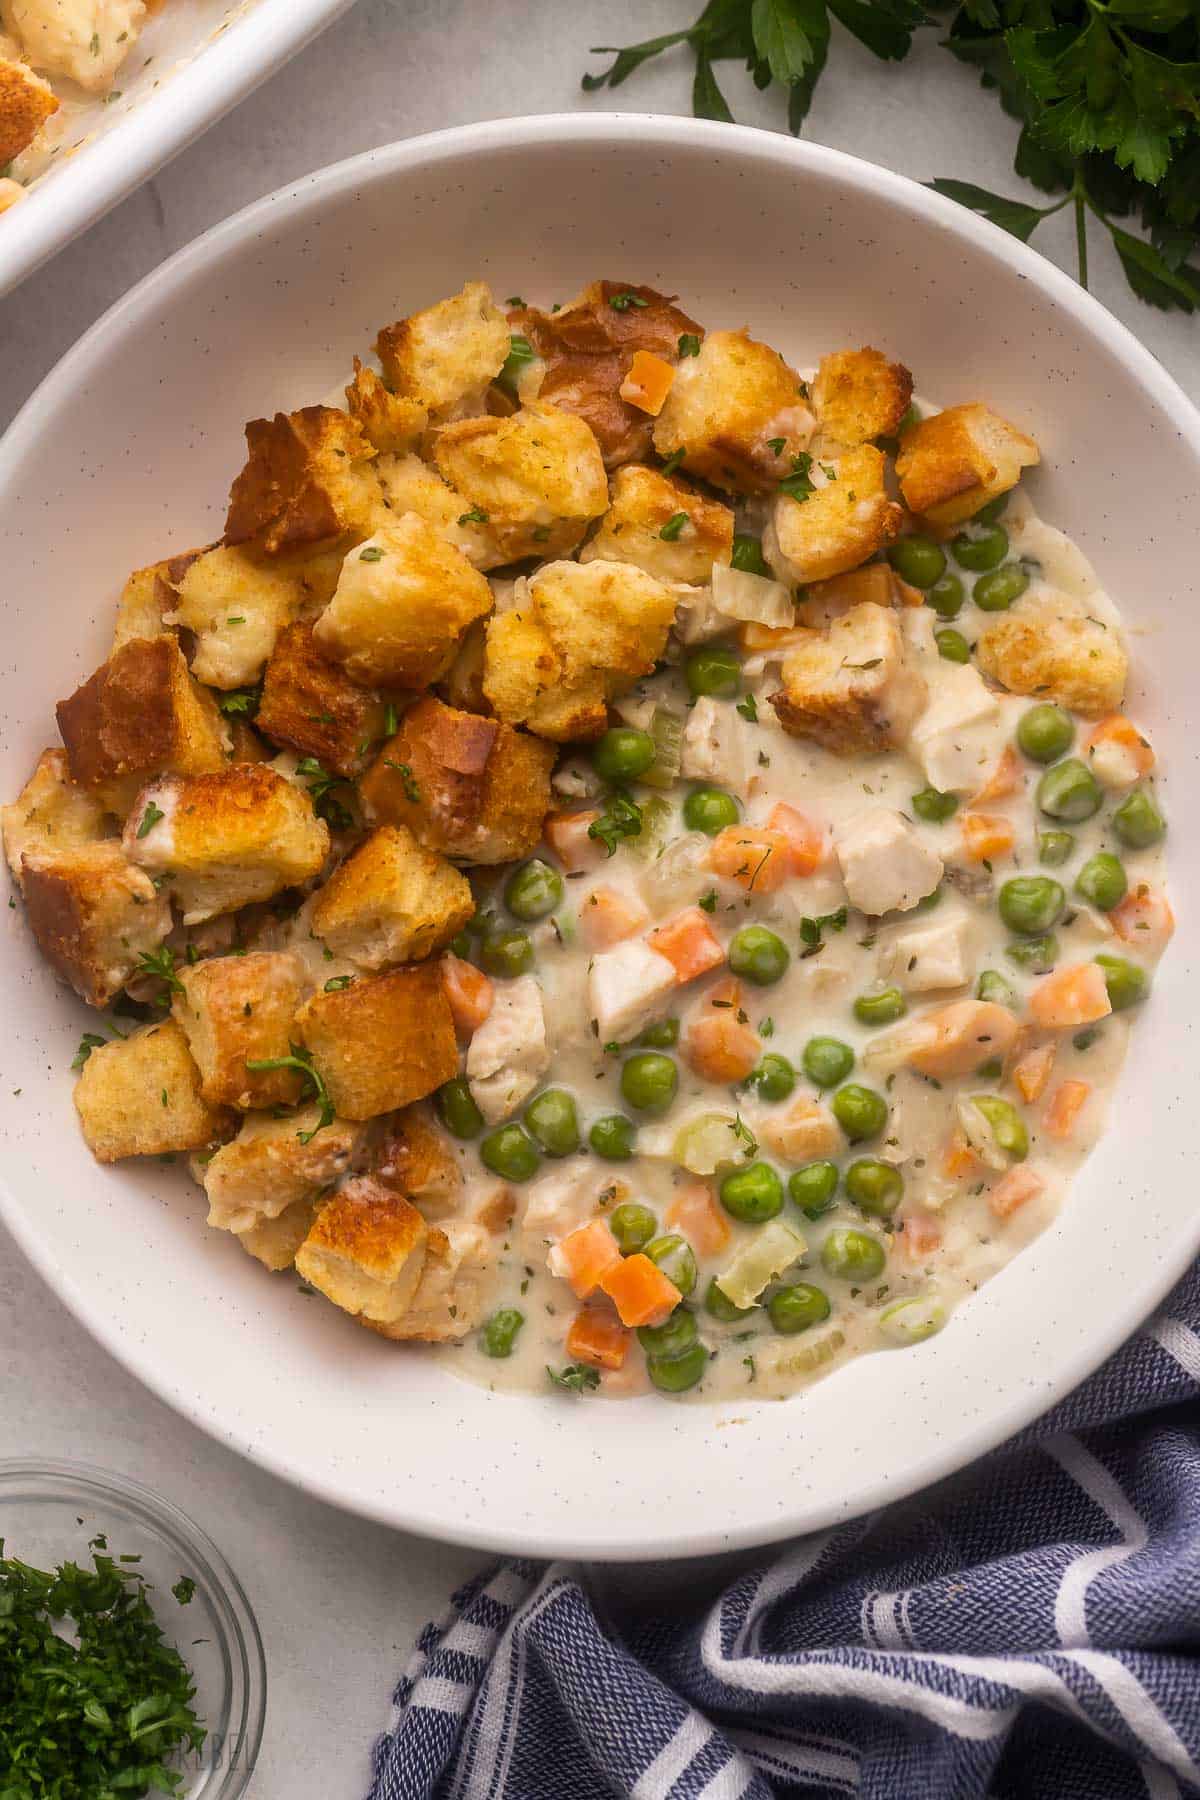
(126, 451)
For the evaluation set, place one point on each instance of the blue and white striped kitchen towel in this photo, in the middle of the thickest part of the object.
(1027, 1630)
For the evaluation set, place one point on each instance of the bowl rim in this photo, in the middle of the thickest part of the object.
(467, 143)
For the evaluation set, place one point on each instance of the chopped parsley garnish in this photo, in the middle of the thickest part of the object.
(673, 461)
(520, 352)
(301, 1061)
(476, 516)
(91, 1040)
(184, 1590)
(797, 485)
(622, 818)
(515, 300)
(240, 702)
(391, 720)
(689, 344)
(811, 929)
(150, 819)
(767, 1028)
(160, 963)
(708, 902)
(748, 707)
(674, 527)
(321, 785)
(776, 446)
(372, 553)
(336, 982)
(412, 792)
(622, 302)
(577, 1378)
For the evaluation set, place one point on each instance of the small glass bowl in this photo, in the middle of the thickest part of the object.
(48, 1512)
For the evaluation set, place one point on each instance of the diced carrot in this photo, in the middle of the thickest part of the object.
(724, 995)
(1031, 1072)
(720, 1049)
(607, 916)
(920, 1235)
(824, 601)
(955, 1039)
(958, 1158)
(1144, 918)
(648, 382)
(640, 1291)
(805, 1132)
(985, 835)
(907, 596)
(757, 859)
(1014, 1189)
(584, 1256)
(567, 835)
(806, 841)
(1118, 752)
(696, 1214)
(596, 1338)
(689, 944)
(1004, 777)
(469, 992)
(1076, 995)
(1058, 1120)
(761, 640)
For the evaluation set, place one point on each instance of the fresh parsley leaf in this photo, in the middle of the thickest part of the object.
(576, 1378)
(412, 792)
(150, 819)
(240, 703)
(372, 553)
(811, 930)
(673, 461)
(160, 963)
(1014, 216)
(476, 516)
(520, 352)
(797, 485)
(623, 301)
(91, 1040)
(184, 1589)
(748, 707)
(674, 527)
(300, 1060)
(689, 344)
(621, 819)
(322, 788)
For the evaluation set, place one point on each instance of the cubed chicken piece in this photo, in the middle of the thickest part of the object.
(955, 462)
(662, 526)
(237, 1010)
(852, 687)
(277, 1163)
(844, 520)
(274, 1242)
(455, 1284)
(1048, 646)
(393, 424)
(415, 1156)
(626, 990)
(148, 596)
(391, 901)
(886, 865)
(859, 395)
(382, 1042)
(931, 957)
(719, 746)
(446, 357)
(411, 486)
(737, 412)
(557, 1203)
(140, 1096)
(311, 706)
(508, 1054)
(86, 40)
(236, 604)
(50, 814)
(26, 102)
(308, 478)
(805, 1132)
(960, 734)
(94, 916)
(366, 1250)
(537, 476)
(469, 787)
(224, 841)
(140, 715)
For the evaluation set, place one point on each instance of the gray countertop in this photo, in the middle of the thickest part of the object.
(338, 1600)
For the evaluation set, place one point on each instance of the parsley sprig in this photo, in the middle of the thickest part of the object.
(300, 1060)
(576, 1378)
(621, 819)
(322, 788)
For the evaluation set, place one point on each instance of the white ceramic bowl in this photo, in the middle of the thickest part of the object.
(126, 452)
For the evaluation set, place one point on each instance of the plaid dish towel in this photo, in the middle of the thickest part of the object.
(1029, 1630)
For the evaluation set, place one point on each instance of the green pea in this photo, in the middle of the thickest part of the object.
(1031, 903)
(1069, 791)
(551, 1118)
(457, 1109)
(499, 1334)
(918, 560)
(813, 1188)
(946, 597)
(623, 753)
(995, 509)
(1137, 821)
(753, 1194)
(980, 550)
(1045, 733)
(633, 1225)
(852, 1255)
(747, 554)
(874, 1186)
(506, 953)
(1007, 1125)
(613, 1137)
(795, 1308)
(1037, 955)
(1056, 848)
(676, 1258)
(934, 807)
(721, 1306)
(662, 1035)
(996, 591)
(480, 923)
(1102, 880)
(880, 1009)
(709, 809)
(992, 987)
(460, 944)
(758, 955)
(714, 671)
(672, 1337)
(649, 1081)
(533, 890)
(510, 1153)
(676, 1374)
(860, 1111)
(1126, 983)
(952, 646)
(774, 1078)
(827, 1061)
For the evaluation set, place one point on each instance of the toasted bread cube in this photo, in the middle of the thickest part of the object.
(455, 1284)
(470, 787)
(538, 476)
(738, 413)
(26, 102)
(446, 357)
(50, 814)
(366, 1250)
(955, 462)
(523, 680)
(403, 602)
(308, 478)
(390, 422)
(235, 1010)
(275, 1163)
(382, 1042)
(223, 841)
(140, 1096)
(138, 716)
(236, 605)
(845, 521)
(643, 503)
(462, 684)
(11, 193)
(1049, 646)
(86, 41)
(94, 916)
(415, 1156)
(859, 395)
(851, 687)
(311, 706)
(148, 596)
(391, 901)
(411, 486)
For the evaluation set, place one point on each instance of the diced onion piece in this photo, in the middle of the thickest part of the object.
(769, 1252)
(680, 875)
(788, 1359)
(657, 814)
(979, 1134)
(753, 598)
(712, 1141)
(910, 1321)
(666, 728)
(895, 1048)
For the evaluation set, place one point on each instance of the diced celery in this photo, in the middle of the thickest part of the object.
(909, 1321)
(712, 1141)
(753, 598)
(767, 1254)
(666, 728)
(657, 814)
(786, 1358)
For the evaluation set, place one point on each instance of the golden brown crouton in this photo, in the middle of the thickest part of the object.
(844, 521)
(245, 745)
(382, 1042)
(311, 706)
(236, 604)
(386, 420)
(737, 412)
(276, 1163)
(470, 787)
(51, 813)
(415, 1156)
(859, 395)
(584, 352)
(391, 901)
(462, 684)
(403, 601)
(366, 1250)
(308, 478)
(850, 688)
(409, 485)
(446, 357)
(538, 476)
(644, 503)
(1048, 646)
(235, 1010)
(222, 841)
(140, 1096)
(86, 41)
(449, 1300)
(138, 716)
(26, 102)
(148, 596)
(955, 462)
(94, 916)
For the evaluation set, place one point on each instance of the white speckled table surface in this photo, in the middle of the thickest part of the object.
(339, 1600)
